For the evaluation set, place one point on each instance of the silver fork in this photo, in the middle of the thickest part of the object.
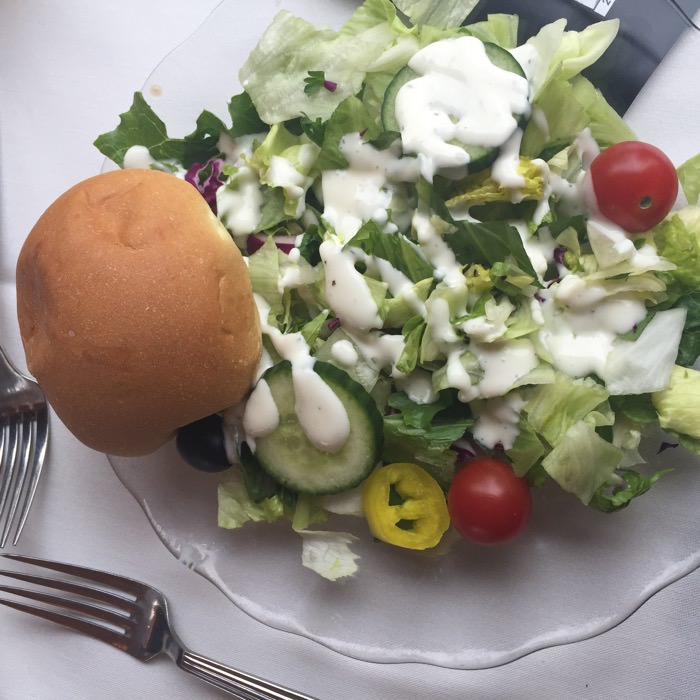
(24, 425)
(131, 616)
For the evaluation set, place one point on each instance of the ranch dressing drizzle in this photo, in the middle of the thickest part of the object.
(312, 396)
(347, 293)
(459, 96)
(581, 324)
(363, 191)
(497, 420)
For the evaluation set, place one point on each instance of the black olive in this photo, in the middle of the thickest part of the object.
(201, 444)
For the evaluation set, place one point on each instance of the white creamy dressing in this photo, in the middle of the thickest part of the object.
(437, 252)
(138, 157)
(239, 204)
(364, 191)
(399, 285)
(281, 173)
(460, 98)
(503, 364)
(505, 168)
(418, 386)
(344, 353)
(312, 396)
(581, 324)
(295, 273)
(240, 208)
(380, 350)
(347, 293)
(497, 420)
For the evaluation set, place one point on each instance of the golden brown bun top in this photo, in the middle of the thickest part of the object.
(136, 310)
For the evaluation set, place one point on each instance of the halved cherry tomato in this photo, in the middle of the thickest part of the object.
(635, 185)
(487, 502)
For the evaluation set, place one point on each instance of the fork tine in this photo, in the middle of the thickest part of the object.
(24, 452)
(41, 434)
(99, 613)
(113, 599)
(120, 583)
(78, 624)
(7, 466)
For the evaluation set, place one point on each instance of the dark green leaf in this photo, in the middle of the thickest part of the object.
(350, 116)
(244, 116)
(403, 255)
(689, 348)
(313, 82)
(141, 126)
(309, 248)
(315, 129)
(483, 243)
(637, 407)
(259, 484)
(609, 499)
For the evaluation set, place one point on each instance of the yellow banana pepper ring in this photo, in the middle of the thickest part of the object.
(405, 506)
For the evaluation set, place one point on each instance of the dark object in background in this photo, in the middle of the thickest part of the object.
(648, 30)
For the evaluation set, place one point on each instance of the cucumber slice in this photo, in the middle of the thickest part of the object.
(290, 457)
(388, 112)
(480, 157)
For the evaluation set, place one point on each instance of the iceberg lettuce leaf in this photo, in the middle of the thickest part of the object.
(552, 409)
(582, 461)
(437, 13)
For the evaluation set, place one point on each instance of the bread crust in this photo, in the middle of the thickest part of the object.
(136, 310)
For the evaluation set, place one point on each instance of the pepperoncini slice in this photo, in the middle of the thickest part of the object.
(405, 506)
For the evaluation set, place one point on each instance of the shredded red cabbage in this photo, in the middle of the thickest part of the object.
(206, 177)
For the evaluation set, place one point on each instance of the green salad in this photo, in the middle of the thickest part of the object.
(472, 277)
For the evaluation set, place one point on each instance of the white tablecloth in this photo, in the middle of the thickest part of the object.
(67, 68)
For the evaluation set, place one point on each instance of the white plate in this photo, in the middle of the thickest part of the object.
(574, 574)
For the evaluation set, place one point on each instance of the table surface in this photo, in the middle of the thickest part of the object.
(66, 70)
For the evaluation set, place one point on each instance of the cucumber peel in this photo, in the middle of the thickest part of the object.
(289, 456)
(480, 157)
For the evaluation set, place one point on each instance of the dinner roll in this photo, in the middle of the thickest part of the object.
(136, 310)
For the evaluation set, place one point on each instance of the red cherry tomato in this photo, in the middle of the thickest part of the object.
(487, 502)
(635, 185)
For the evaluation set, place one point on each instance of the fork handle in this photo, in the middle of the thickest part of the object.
(241, 685)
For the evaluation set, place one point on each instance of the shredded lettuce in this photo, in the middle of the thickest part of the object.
(554, 408)
(328, 553)
(582, 461)
(276, 86)
(457, 267)
(236, 506)
(437, 13)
